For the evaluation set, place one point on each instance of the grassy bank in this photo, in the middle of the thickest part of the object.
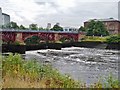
(108, 39)
(18, 73)
(95, 38)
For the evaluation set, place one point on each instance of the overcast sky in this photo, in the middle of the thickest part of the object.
(67, 12)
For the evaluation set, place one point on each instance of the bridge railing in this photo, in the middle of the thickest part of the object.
(46, 31)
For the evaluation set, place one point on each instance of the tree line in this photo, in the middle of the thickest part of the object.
(94, 28)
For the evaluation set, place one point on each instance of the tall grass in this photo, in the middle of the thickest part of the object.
(19, 73)
(32, 71)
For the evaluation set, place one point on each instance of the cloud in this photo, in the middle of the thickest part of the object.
(67, 12)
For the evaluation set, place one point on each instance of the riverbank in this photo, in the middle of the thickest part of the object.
(19, 73)
(87, 44)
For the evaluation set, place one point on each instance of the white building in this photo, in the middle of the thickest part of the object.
(70, 29)
(4, 18)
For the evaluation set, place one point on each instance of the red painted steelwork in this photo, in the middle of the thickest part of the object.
(50, 36)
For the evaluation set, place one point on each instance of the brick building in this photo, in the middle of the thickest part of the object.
(112, 25)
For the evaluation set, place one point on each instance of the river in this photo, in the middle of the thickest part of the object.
(83, 64)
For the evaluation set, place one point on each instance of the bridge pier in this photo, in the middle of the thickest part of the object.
(19, 38)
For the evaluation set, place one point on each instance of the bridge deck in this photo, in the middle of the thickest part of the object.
(34, 31)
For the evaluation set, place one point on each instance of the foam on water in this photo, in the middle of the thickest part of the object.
(84, 64)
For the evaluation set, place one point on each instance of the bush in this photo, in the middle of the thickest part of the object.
(114, 39)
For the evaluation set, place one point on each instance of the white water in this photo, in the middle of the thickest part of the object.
(84, 64)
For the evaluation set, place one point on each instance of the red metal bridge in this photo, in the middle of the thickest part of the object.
(8, 35)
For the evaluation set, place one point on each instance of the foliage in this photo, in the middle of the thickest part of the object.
(22, 27)
(66, 39)
(111, 82)
(41, 28)
(33, 26)
(57, 28)
(82, 29)
(96, 28)
(113, 39)
(32, 71)
(14, 25)
(33, 40)
(18, 43)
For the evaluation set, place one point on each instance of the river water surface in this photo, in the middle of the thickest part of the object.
(85, 64)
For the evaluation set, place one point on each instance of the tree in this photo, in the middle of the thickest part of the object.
(33, 27)
(22, 27)
(32, 40)
(14, 25)
(90, 28)
(113, 39)
(82, 29)
(96, 28)
(41, 28)
(57, 28)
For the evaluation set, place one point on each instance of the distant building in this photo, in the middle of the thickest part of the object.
(58, 24)
(4, 19)
(49, 26)
(112, 25)
(70, 29)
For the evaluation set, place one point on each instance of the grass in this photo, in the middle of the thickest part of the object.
(18, 73)
(95, 38)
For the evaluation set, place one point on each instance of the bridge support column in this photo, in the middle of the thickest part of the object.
(80, 36)
(19, 38)
(56, 37)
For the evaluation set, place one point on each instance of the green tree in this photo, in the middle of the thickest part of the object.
(113, 39)
(33, 40)
(82, 29)
(33, 27)
(22, 27)
(41, 28)
(14, 25)
(90, 28)
(57, 28)
(96, 28)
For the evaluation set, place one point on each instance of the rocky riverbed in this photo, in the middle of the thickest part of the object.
(85, 64)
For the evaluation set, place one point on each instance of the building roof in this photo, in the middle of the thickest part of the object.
(5, 14)
(104, 20)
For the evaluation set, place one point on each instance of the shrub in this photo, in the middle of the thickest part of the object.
(114, 39)
(32, 71)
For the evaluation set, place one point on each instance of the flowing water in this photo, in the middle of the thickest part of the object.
(85, 64)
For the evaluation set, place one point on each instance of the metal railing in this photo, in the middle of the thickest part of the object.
(46, 31)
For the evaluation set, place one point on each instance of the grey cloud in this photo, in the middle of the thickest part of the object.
(73, 16)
